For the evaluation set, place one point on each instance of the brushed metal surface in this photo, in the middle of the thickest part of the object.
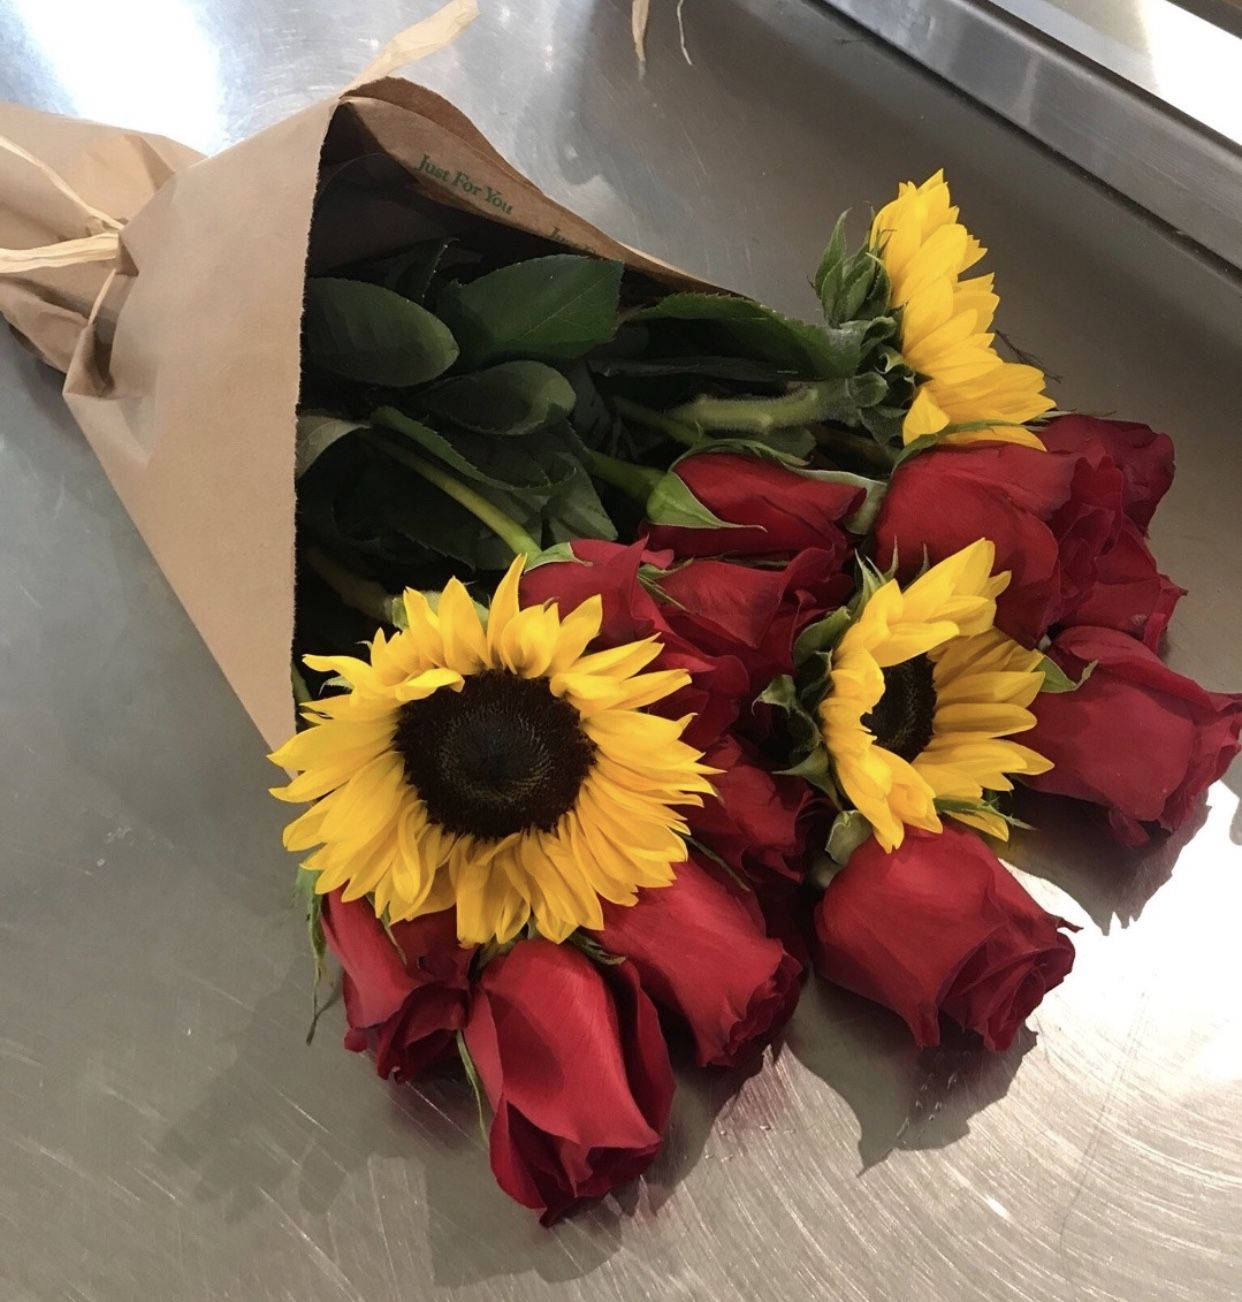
(1139, 93)
(164, 1133)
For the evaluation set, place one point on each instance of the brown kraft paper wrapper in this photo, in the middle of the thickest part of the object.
(184, 375)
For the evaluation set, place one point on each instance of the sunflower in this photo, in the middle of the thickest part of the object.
(922, 697)
(945, 325)
(493, 765)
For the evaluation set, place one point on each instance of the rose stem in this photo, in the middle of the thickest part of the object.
(633, 480)
(356, 592)
(503, 525)
(811, 402)
(668, 425)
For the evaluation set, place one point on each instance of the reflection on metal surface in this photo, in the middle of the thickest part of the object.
(128, 58)
(1152, 141)
(164, 1133)
(1188, 62)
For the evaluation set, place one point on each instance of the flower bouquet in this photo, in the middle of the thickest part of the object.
(651, 648)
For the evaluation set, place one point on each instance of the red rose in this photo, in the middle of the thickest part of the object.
(1144, 457)
(719, 683)
(406, 996)
(1065, 523)
(1136, 737)
(760, 822)
(1129, 593)
(940, 926)
(732, 610)
(576, 1071)
(699, 950)
(784, 511)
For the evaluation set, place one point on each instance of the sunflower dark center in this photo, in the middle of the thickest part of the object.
(502, 755)
(902, 718)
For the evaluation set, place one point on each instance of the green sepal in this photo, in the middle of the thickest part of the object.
(594, 950)
(849, 830)
(851, 286)
(924, 443)
(822, 636)
(989, 805)
(789, 446)
(555, 555)
(476, 1085)
(672, 502)
(311, 906)
(1056, 680)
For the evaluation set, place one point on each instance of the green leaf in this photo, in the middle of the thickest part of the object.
(1056, 680)
(575, 511)
(740, 370)
(759, 331)
(371, 334)
(549, 308)
(518, 465)
(510, 398)
(671, 502)
(850, 829)
(316, 433)
(409, 273)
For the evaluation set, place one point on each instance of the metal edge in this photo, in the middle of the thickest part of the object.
(1176, 169)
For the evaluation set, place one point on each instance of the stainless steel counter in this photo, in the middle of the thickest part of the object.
(164, 1133)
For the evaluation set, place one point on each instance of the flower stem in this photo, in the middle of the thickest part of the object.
(840, 442)
(667, 424)
(503, 525)
(801, 406)
(356, 592)
(635, 481)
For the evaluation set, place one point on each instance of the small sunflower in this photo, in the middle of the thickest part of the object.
(493, 765)
(923, 694)
(945, 324)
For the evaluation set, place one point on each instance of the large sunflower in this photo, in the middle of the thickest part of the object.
(493, 765)
(922, 697)
(945, 325)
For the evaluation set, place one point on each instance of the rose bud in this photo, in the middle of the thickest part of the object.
(1056, 519)
(783, 512)
(699, 949)
(405, 996)
(1144, 457)
(759, 825)
(1135, 737)
(940, 926)
(718, 683)
(576, 1070)
(727, 609)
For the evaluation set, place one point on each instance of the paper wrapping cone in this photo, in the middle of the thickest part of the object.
(184, 374)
